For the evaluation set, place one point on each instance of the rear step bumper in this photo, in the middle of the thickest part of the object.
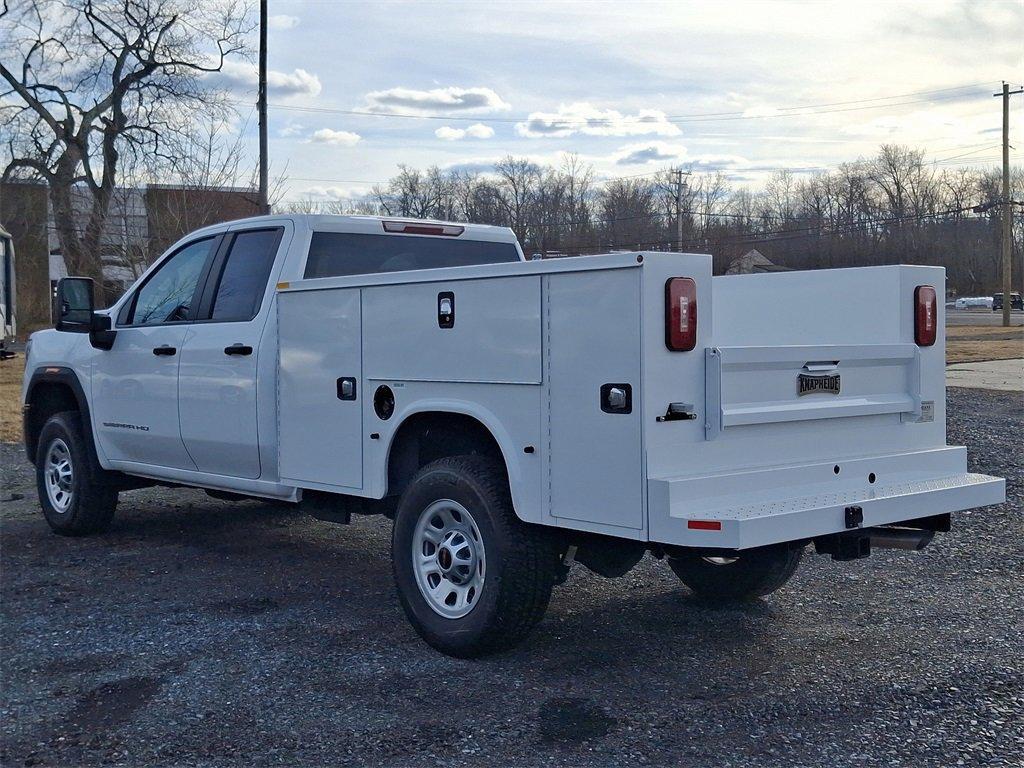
(688, 512)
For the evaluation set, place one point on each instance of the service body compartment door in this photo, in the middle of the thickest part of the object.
(320, 382)
(492, 334)
(592, 339)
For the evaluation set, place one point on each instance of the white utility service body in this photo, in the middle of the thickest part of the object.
(534, 342)
(630, 395)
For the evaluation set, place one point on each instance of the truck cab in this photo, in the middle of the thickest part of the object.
(512, 417)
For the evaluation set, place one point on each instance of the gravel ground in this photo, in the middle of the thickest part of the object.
(204, 633)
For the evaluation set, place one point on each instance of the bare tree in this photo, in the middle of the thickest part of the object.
(518, 179)
(94, 81)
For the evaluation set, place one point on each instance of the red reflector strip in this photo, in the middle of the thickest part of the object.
(405, 228)
(704, 525)
(926, 318)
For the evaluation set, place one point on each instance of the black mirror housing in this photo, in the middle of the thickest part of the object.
(75, 312)
(74, 305)
(101, 333)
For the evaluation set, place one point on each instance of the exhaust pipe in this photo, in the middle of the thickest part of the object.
(858, 543)
(899, 538)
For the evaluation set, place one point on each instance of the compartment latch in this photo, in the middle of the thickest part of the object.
(678, 412)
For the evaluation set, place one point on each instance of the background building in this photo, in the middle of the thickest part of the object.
(143, 222)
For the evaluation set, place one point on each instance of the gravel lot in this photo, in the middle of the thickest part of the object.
(204, 633)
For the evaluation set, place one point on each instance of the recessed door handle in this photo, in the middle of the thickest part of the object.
(164, 350)
(238, 349)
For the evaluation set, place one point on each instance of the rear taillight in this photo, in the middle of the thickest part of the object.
(926, 315)
(407, 228)
(680, 314)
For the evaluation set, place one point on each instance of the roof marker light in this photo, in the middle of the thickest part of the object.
(410, 228)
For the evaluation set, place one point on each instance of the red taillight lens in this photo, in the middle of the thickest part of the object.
(680, 314)
(926, 315)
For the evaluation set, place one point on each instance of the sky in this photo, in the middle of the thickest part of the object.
(632, 87)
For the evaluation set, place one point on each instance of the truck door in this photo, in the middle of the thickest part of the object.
(135, 384)
(217, 381)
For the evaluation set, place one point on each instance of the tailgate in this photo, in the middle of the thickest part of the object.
(770, 385)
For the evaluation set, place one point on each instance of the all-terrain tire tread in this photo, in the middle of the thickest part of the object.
(531, 559)
(756, 573)
(94, 503)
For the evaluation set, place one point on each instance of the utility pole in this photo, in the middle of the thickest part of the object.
(1007, 205)
(261, 107)
(679, 207)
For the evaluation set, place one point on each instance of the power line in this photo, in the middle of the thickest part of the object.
(794, 111)
(694, 166)
(787, 234)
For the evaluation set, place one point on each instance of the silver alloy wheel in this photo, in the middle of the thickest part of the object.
(58, 474)
(448, 558)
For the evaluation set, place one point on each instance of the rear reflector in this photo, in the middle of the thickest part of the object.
(704, 525)
(680, 314)
(406, 228)
(926, 318)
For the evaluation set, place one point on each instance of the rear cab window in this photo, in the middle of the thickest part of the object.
(336, 254)
(239, 289)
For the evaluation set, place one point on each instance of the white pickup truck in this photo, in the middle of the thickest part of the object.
(512, 417)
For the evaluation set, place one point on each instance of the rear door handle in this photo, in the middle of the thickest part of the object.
(164, 350)
(238, 349)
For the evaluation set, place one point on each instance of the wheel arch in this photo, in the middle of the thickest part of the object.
(53, 389)
(433, 430)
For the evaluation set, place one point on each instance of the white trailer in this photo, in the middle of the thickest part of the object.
(515, 416)
(8, 326)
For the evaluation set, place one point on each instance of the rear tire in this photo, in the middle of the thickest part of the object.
(752, 573)
(472, 578)
(72, 502)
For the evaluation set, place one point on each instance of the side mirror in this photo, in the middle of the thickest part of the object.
(75, 312)
(74, 305)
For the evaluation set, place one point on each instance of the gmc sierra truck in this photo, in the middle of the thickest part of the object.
(511, 417)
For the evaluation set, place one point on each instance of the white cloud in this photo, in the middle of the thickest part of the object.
(665, 153)
(435, 100)
(298, 83)
(336, 194)
(241, 76)
(652, 152)
(582, 117)
(335, 138)
(282, 21)
(475, 131)
(291, 129)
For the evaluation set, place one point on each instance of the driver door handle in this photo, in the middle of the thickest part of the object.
(164, 349)
(238, 349)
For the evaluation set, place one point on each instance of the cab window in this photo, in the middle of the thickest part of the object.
(333, 254)
(243, 278)
(167, 295)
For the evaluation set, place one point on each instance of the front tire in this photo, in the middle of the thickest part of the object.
(472, 578)
(750, 574)
(72, 502)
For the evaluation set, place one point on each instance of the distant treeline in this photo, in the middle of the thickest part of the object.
(892, 208)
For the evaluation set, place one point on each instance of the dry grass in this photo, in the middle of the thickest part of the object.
(971, 344)
(10, 398)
